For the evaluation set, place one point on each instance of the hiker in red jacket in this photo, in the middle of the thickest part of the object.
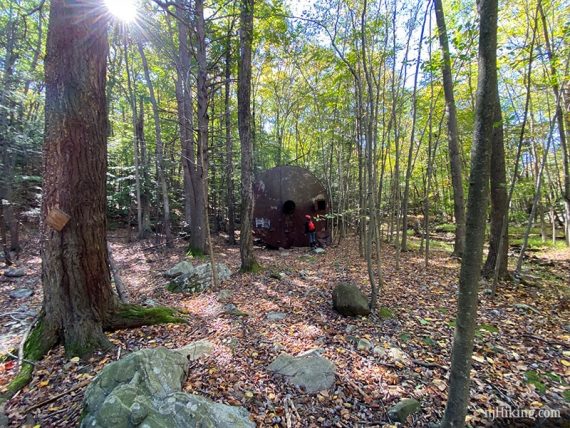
(311, 231)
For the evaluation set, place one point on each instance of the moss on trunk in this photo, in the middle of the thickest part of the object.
(254, 268)
(42, 338)
(130, 316)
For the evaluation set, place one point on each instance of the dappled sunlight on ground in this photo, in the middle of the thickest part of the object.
(412, 334)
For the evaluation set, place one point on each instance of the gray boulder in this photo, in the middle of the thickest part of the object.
(198, 279)
(311, 372)
(404, 408)
(349, 300)
(144, 389)
(181, 268)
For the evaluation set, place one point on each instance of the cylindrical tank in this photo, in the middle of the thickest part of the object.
(283, 196)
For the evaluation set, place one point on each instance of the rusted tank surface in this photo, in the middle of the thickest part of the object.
(283, 196)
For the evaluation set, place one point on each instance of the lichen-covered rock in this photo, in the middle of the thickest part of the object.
(144, 389)
(198, 279)
(363, 345)
(404, 408)
(311, 372)
(181, 268)
(349, 300)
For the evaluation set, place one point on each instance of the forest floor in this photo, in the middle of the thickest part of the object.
(521, 355)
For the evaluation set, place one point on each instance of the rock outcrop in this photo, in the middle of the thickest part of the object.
(144, 389)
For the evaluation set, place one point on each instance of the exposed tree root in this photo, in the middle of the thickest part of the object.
(41, 338)
(132, 316)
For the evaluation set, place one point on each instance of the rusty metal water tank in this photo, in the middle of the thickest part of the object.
(283, 196)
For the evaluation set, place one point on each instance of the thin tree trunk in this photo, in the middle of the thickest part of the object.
(459, 378)
(184, 102)
(499, 266)
(561, 124)
(200, 222)
(499, 202)
(230, 201)
(453, 137)
(535, 203)
(409, 167)
(248, 262)
(136, 149)
(160, 169)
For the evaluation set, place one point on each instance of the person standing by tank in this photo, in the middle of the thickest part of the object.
(311, 231)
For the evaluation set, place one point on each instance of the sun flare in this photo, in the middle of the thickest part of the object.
(123, 10)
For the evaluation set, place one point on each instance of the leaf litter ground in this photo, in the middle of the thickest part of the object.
(521, 355)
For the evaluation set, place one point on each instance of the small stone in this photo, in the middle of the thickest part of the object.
(275, 316)
(224, 295)
(277, 275)
(303, 274)
(21, 293)
(379, 350)
(567, 328)
(14, 272)
(150, 302)
(349, 328)
(363, 345)
(318, 250)
(398, 355)
(313, 373)
(404, 408)
(525, 307)
(348, 300)
(232, 309)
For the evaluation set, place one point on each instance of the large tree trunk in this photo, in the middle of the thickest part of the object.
(75, 272)
(248, 262)
(499, 202)
(453, 137)
(459, 377)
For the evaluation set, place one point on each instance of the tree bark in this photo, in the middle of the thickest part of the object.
(459, 378)
(453, 137)
(248, 262)
(499, 202)
(75, 267)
